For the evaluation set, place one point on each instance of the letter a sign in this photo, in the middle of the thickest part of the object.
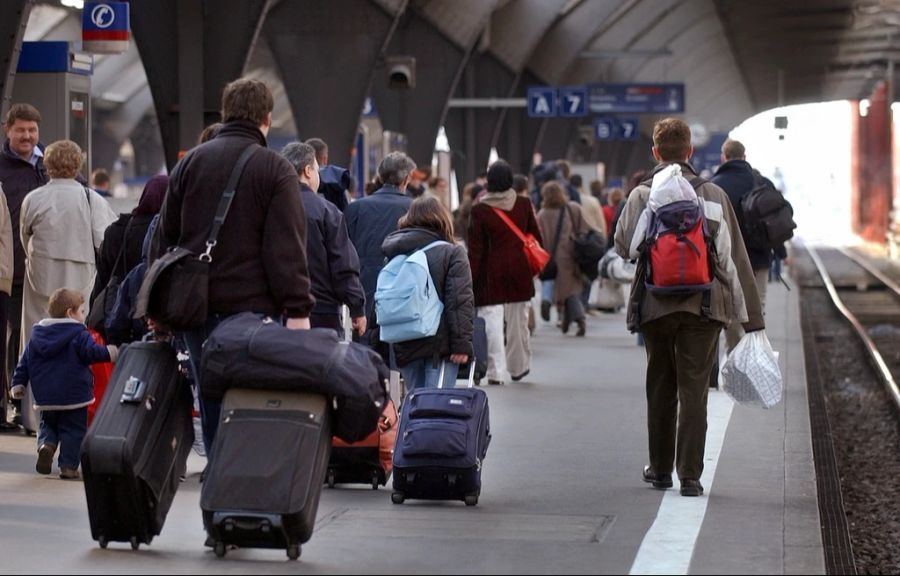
(541, 102)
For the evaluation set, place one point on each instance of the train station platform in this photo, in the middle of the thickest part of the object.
(562, 488)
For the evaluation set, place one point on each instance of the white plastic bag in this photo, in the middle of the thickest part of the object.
(670, 186)
(751, 375)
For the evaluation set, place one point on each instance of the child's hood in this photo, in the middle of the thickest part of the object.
(52, 335)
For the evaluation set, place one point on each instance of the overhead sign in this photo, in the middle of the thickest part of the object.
(573, 102)
(636, 98)
(541, 102)
(105, 27)
(610, 129)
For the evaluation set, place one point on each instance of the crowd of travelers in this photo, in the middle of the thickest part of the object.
(296, 248)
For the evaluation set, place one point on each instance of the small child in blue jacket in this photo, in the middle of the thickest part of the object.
(56, 363)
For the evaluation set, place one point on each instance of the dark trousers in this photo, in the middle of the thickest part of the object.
(4, 376)
(14, 333)
(66, 429)
(325, 320)
(681, 352)
(210, 408)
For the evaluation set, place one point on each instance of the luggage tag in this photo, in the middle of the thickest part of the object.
(134, 391)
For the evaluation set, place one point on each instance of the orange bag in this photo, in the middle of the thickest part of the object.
(102, 374)
(354, 463)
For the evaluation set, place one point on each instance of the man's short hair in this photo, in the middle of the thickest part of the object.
(733, 150)
(321, 149)
(672, 139)
(520, 183)
(100, 177)
(63, 159)
(395, 168)
(25, 112)
(63, 300)
(300, 155)
(246, 99)
(576, 180)
(564, 167)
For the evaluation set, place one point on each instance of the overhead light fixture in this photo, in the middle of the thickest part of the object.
(864, 107)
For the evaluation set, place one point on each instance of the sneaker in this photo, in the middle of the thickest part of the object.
(69, 474)
(45, 459)
(545, 310)
(661, 481)
(691, 488)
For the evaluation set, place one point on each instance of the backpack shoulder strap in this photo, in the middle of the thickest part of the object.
(433, 244)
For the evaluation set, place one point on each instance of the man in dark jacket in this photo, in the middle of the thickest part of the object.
(332, 259)
(21, 171)
(259, 262)
(737, 178)
(371, 219)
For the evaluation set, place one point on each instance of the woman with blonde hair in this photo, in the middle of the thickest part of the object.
(428, 224)
(560, 220)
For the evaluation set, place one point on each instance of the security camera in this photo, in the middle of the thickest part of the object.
(401, 72)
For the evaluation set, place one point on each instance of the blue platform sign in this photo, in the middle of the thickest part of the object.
(636, 98)
(604, 129)
(573, 102)
(541, 102)
(628, 128)
(105, 27)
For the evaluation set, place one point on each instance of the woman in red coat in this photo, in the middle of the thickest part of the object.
(501, 276)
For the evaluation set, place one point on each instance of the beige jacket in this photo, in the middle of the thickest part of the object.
(734, 293)
(6, 246)
(593, 213)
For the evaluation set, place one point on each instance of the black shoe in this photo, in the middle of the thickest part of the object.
(494, 382)
(545, 310)
(7, 427)
(520, 376)
(691, 488)
(45, 459)
(582, 327)
(661, 481)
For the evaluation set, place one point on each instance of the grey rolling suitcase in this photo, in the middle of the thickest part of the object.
(267, 469)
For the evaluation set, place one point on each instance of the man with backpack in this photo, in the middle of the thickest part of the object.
(681, 323)
(738, 179)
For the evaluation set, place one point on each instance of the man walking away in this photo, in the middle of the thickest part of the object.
(331, 257)
(259, 262)
(370, 220)
(682, 331)
(737, 178)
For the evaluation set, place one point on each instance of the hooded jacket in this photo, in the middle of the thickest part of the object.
(449, 269)
(56, 363)
(734, 294)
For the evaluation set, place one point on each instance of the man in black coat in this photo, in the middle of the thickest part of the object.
(21, 171)
(331, 257)
(371, 219)
(737, 178)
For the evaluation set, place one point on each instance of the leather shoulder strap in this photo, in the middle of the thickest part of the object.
(227, 198)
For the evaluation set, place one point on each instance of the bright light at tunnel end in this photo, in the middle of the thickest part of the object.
(78, 4)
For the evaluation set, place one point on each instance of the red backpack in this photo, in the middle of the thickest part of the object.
(679, 250)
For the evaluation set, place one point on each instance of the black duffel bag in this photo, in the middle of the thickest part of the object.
(252, 351)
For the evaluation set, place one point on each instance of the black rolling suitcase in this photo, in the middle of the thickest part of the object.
(268, 465)
(135, 453)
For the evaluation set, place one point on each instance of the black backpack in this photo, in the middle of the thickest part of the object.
(768, 216)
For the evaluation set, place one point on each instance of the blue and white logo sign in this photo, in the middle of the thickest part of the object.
(105, 27)
(604, 129)
(541, 102)
(573, 102)
(628, 128)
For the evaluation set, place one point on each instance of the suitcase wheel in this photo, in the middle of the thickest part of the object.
(103, 542)
(220, 549)
(398, 497)
(135, 543)
(330, 478)
(293, 551)
(471, 499)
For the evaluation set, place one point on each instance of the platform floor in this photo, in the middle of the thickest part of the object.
(562, 489)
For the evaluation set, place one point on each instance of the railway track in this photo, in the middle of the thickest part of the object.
(870, 301)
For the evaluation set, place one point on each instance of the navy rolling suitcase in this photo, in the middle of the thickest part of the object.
(443, 438)
(268, 465)
(136, 450)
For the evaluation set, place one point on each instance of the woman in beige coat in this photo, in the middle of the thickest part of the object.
(62, 225)
(569, 282)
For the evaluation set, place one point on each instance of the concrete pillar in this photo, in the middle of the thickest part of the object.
(872, 206)
(327, 54)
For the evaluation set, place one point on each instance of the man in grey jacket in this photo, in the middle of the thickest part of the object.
(681, 331)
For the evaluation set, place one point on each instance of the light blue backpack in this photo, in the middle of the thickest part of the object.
(406, 302)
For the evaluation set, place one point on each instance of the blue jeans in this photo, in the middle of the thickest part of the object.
(423, 374)
(66, 429)
(547, 290)
(210, 408)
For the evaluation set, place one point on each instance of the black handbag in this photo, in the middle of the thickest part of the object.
(102, 306)
(175, 291)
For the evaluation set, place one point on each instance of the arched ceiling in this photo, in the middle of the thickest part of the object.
(736, 57)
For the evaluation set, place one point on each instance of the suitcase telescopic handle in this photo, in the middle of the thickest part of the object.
(471, 381)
